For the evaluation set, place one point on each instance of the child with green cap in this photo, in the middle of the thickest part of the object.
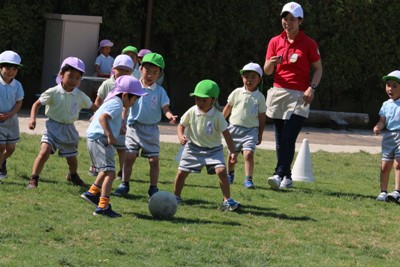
(133, 53)
(142, 130)
(204, 124)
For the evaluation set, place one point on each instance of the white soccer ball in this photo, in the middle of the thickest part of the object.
(163, 205)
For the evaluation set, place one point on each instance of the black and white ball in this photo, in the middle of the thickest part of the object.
(163, 205)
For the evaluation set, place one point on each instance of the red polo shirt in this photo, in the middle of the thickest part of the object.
(294, 72)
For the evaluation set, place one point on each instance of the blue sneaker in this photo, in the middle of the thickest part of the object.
(248, 184)
(122, 190)
(231, 177)
(106, 212)
(152, 191)
(230, 204)
(92, 199)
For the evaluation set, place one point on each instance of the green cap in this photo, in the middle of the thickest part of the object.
(155, 59)
(129, 48)
(206, 88)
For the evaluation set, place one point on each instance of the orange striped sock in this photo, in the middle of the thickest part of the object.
(104, 202)
(94, 189)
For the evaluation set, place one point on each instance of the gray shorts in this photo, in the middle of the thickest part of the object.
(390, 145)
(145, 137)
(120, 145)
(194, 158)
(101, 154)
(61, 137)
(244, 138)
(9, 131)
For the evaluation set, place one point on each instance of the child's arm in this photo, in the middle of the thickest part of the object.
(231, 146)
(181, 134)
(261, 125)
(168, 113)
(103, 120)
(98, 102)
(380, 125)
(15, 109)
(34, 111)
(93, 107)
(124, 116)
(227, 110)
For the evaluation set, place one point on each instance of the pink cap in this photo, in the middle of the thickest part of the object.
(105, 42)
(126, 84)
(73, 62)
(143, 52)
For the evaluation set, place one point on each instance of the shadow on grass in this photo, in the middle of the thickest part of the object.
(349, 195)
(257, 211)
(184, 220)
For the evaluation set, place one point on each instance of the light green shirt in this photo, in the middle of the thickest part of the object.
(63, 106)
(246, 106)
(204, 129)
(106, 87)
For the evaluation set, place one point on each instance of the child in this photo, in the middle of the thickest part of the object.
(247, 108)
(204, 124)
(133, 53)
(102, 134)
(142, 53)
(142, 131)
(389, 119)
(104, 61)
(123, 65)
(63, 104)
(11, 96)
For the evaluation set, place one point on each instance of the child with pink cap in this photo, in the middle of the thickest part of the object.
(102, 135)
(63, 104)
(104, 61)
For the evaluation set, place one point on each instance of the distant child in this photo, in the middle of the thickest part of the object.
(63, 104)
(204, 124)
(389, 119)
(142, 131)
(102, 134)
(246, 107)
(142, 53)
(104, 61)
(11, 96)
(123, 65)
(133, 53)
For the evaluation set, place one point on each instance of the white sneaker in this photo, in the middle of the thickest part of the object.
(274, 182)
(286, 183)
(394, 197)
(382, 196)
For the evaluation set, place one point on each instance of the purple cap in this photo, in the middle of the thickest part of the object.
(105, 42)
(126, 84)
(123, 62)
(73, 62)
(143, 52)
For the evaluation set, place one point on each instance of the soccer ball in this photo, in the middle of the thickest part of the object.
(163, 205)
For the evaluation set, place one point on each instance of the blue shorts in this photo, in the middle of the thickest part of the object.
(101, 154)
(390, 145)
(9, 131)
(61, 137)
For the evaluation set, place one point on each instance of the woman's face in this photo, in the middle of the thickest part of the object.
(290, 23)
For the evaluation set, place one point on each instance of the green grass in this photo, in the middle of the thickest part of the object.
(334, 221)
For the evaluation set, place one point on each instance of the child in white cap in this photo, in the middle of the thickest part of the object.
(123, 65)
(204, 124)
(389, 115)
(102, 134)
(246, 107)
(104, 61)
(11, 96)
(63, 104)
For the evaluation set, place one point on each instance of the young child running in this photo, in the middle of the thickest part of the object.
(389, 115)
(11, 96)
(63, 104)
(246, 107)
(123, 65)
(204, 124)
(142, 131)
(104, 61)
(102, 134)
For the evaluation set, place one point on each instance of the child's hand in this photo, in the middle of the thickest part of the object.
(32, 124)
(183, 140)
(377, 131)
(111, 140)
(3, 116)
(123, 129)
(172, 119)
(233, 158)
(259, 140)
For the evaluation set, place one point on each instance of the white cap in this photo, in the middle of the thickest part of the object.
(293, 8)
(394, 75)
(252, 67)
(10, 57)
(123, 62)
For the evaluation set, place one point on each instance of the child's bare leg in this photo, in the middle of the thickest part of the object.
(248, 162)
(108, 179)
(223, 182)
(179, 182)
(41, 159)
(386, 167)
(6, 152)
(154, 170)
(121, 158)
(231, 166)
(130, 159)
(72, 164)
(397, 174)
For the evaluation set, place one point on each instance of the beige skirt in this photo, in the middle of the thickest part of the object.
(282, 103)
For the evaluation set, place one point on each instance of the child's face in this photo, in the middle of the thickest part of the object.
(133, 56)
(251, 80)
(393, 89)
(106, 50)
(8, 73)
(204, 104)
(70, 80)
(118, 72)
(150, 74)
(127, 103)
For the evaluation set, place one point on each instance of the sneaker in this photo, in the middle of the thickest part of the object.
(382, 196)
(122, 190)
(286, 183)
(106, 212)
(152, 191)
(119, 175)
(179, 200)
(92, 171)
(3, 170)
(230, 204)
(248, 184)
(274, 182)
(92, 199)
(394, 197)
(33, 182)
(231, 177)
(75, 179)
